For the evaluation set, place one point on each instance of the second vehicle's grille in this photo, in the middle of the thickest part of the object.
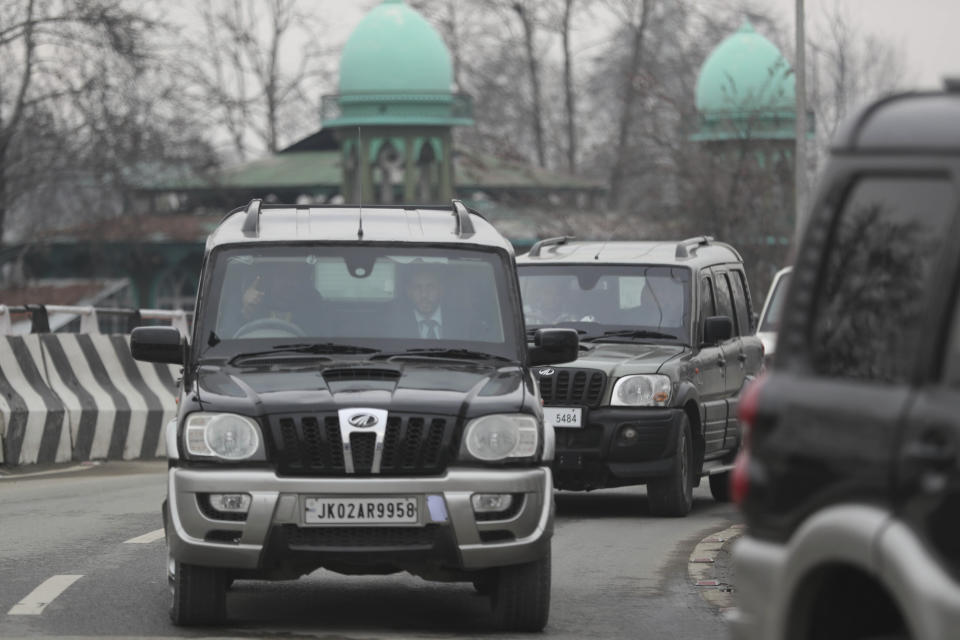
(411, 445)
(573, 386)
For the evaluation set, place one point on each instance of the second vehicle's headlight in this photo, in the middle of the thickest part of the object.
(648, 390)
(501, 436)
(223, 435)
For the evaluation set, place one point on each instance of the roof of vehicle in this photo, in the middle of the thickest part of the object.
(904, 123)
(342, 223)
(694, 252)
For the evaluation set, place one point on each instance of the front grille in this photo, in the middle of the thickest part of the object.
(573, 386)
(412, 445)
(361, 537)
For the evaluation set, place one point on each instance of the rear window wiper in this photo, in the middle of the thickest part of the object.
(326, 348)
(633, 333)
(439, 352)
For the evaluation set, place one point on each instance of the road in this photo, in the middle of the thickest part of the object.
(618, 572)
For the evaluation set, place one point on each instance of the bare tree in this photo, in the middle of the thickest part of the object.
(633, 15)
(258, 70)
(527, 19)
(569, 89)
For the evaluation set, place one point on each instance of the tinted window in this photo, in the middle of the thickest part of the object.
(739, 302)
(724, 302)
(869, 313)
(607, 297)
(707, 307)
(381, 297)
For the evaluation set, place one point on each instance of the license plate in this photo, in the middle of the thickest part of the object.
(569, 417)
(358, 511)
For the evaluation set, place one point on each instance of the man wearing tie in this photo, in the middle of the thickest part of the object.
(425, 291)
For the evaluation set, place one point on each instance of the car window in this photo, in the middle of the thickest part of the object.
(739, 302)
(771, 318)
(723, 300)
(868, 316)
(707, 306)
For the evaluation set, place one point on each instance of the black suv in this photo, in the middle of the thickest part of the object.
(357, 396)
(666, 339)
(850, 481)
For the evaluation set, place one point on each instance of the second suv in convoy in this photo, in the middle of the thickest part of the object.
(849, 480)
(340, 408)
(667, 342)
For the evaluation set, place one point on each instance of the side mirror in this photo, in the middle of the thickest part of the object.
(717, 329)
(554, 346)
(158, 344)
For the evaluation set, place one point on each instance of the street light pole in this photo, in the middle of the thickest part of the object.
(800, 152)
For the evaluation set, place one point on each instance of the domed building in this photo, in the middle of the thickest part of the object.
(745, 91)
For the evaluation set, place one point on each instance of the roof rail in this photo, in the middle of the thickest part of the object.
(697, 241)
(464, 223)
(539, 245)
(251, 224)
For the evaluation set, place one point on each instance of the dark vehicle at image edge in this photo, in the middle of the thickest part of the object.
(666, 344)
(849, 480)
(337, 411)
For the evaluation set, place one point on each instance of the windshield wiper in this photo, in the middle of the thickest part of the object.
(440, 352)
(633, 333)
(327, 348)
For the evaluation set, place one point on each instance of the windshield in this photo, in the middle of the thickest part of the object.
(369, 299)
(771, 315)
(635, 302)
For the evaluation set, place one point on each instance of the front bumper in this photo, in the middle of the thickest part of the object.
(598, 455)
(273, 531)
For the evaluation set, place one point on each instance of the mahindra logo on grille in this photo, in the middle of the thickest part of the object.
(363, 420)
(546, 372)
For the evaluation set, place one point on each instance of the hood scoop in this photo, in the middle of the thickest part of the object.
(333, 376)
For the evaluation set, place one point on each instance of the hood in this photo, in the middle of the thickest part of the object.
(616, 359)
(436, 387)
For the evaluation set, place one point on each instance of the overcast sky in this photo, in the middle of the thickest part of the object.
(926, 30)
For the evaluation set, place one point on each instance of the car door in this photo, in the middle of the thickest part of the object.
(712, 373)
(732, 357)
(750, 356)
(849, 340)
(928, 474)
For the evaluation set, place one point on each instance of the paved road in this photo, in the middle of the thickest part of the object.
(618, 573)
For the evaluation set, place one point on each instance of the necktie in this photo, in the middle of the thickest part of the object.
(429, 328)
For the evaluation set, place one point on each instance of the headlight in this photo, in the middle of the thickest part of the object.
(223, 435)
(641, 391)
(501, 436)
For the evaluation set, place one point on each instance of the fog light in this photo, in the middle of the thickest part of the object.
(230, 502)
(491, 502)
(629, 435)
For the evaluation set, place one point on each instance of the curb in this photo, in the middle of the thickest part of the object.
(702, 570)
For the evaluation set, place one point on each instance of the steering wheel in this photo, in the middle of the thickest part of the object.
(269, 328)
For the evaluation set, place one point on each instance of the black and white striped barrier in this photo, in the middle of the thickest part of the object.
(68, 396)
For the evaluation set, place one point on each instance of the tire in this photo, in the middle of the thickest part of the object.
(672, 496)
(720, 486)
(521, 596)
(198, 595)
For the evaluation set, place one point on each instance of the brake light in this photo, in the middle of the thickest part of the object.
(740, 477)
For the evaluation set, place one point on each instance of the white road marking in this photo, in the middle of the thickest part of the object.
(35, 474)
(39, 598)
(146, 538)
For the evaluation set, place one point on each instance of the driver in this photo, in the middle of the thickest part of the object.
(549, 301)
(277, 292)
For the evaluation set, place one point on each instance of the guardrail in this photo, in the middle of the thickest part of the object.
(80, 395)
(89, 317)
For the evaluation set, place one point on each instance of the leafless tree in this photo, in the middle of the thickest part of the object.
(257, 68)
(569, 89)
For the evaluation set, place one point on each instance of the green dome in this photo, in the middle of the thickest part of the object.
(395, 70)
(395, 49)
(746, 87)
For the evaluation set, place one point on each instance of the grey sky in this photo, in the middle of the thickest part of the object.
(926, 31)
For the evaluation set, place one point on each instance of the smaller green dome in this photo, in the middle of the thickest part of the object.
(748, 86)
(396, 70)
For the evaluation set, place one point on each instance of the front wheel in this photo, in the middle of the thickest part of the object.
(198, 595)
(521, 596)
(672, 495)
